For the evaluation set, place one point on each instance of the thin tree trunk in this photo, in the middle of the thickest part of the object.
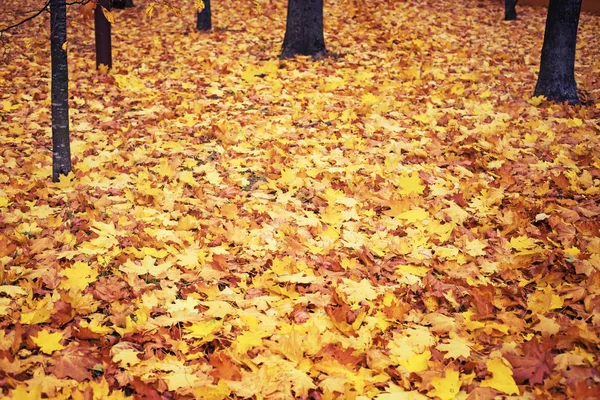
(304, 29)
(556, 80)
(510, 10)
(61, 147)
(204, 18)
(121, 4)
(103, 35)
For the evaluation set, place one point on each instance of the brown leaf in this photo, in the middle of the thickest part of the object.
(536, 361)
(225, 368)
(74, 362)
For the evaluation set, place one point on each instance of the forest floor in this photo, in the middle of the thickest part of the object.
(399, 220)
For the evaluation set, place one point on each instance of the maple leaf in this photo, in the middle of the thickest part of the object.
(415, 215)
(299, 229)
(74, 362)
(125, 354)
(535, 362)
(79, 276)
(24, 392)
(446, 387)
(205, 331)
(358, 291)
(185, 378)
(224, 366)
(416, 362)
(248, 340)
(410, 183)
(547, 326)
(39, 314)
(542, 301)
(456, 347)
(48, 342)
(502, 378)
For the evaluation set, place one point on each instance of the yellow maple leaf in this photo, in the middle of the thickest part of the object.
(185, 378)
(147, 267)
(48, 342)
(26, 392)
(502, 377)
(248, 340)
(79, 276)
(524, 245)
(446, 388)
(415, 215)
(12, 291)
(36, 316)
(456, 347)
(542, 301)
(546, 326)
(126, 357)
(416, 362)
(398, 393)
(205, 330)
(475, 248)
(65, 181)
(219, 391)
(412, 270)
(369, 99)
(572, 252)
(218, 309)
(358, 291)
(536, 101)
(331, 195)
(96, 324)
(410, 183)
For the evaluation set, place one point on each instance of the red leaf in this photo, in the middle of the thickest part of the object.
(536, 361)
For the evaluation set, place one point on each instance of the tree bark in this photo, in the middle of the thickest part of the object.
(304, 29)
(103, 35)
(556, 80)
(510, 10)
(61, 146)
(121, 4)
(204, 18)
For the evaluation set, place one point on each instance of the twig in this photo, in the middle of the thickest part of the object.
(26, 19)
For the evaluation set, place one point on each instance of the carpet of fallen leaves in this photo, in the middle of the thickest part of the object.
(399, 220)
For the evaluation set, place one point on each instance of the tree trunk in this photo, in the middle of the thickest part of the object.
(304, 29)
(103, 35)
(510, 10)
(204, 21)
(556, 80)
(61, 146)
(121, 4)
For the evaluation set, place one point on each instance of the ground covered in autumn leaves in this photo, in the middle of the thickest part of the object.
(399, 220)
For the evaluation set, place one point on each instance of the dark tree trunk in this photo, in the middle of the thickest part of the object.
(304, 29)
(204, 21)
(121, 4)
(556, 80)
(103, 35)
(61, 146)
(510, 10)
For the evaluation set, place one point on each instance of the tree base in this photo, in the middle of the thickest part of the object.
(291, 53)
(554, 92)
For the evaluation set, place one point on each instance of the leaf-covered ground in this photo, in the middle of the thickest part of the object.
(397, 221)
